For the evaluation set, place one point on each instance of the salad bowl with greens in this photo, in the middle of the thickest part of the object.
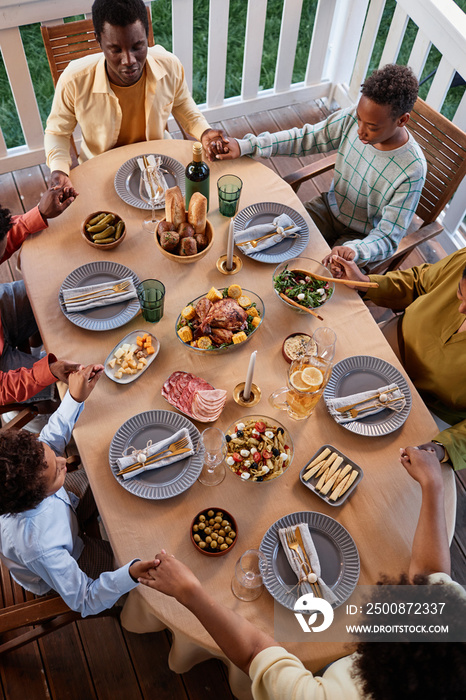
(294, 278)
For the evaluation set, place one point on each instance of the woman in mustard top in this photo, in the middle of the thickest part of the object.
(432, 338)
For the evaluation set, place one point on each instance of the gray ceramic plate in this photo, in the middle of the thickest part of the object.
(265, 213)
(166, 482)
(128, 178)
(363, 373)
(338, 556)
(102, 318)
(131, 339)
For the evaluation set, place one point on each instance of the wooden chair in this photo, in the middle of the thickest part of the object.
(444, 148)
(34, 616)
(71, 40)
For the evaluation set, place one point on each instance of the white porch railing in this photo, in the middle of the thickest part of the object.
(340, 52)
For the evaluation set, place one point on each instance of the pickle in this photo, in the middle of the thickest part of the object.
(96, 219)
(105, 240)
(102, 225)
(109, 231)
(120, 227)
(97, 228)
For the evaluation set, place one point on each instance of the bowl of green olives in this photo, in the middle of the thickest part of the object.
(214, 532)
(103, 229)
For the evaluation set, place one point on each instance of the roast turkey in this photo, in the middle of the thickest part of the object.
(225, 313)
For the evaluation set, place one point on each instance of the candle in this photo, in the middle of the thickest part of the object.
(247, 385)
(230, 245)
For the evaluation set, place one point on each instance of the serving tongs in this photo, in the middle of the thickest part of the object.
(352, 283)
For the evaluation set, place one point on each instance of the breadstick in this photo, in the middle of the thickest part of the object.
(313, 471)
(321, 481)
(323, 455)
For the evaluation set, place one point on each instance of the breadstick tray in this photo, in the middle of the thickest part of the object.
(312, 482)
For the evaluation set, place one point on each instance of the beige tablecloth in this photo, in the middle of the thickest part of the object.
(381, 515)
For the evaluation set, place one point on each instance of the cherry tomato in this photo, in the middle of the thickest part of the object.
(266, 454)
(237, 457)
(256, 456)
(260, 426)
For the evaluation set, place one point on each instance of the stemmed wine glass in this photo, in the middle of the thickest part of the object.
(213, 446)
(150, 185)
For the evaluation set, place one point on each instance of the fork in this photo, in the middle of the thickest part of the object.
(171, 449)
(255, 241)
(344, 409)
(294, 545)
(354, 412)
(120, 287)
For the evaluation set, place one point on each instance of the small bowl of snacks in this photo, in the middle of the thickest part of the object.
(184, 236)
(259, 448)
(298, 280)
(331, 475)
(103, 229)
(296, 345)
(214, 532)
(220, 320)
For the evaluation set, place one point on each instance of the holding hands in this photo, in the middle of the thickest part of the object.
(83, 380)
(422, 464)
(171, 577)
(214, 142)
(218, 146)
(56, 199)
(342, 266)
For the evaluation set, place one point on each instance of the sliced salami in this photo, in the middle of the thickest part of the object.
(194, 396)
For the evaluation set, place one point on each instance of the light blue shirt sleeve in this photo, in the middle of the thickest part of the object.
(56, 566)
(57, 433)
(81, 593)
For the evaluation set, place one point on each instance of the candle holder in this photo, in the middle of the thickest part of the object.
(254, 397)
(222, 265)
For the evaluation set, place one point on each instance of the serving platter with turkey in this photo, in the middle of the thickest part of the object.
(220, 320)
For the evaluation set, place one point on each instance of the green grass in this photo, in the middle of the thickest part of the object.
(161, 12)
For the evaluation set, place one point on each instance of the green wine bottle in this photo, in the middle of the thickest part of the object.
(197, 176)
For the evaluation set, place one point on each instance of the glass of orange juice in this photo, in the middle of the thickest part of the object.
(307, 378)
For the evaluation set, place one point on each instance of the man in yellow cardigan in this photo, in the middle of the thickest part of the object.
(432, 338)
(121, 96)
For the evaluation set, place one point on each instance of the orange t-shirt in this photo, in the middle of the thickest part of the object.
(132, 101)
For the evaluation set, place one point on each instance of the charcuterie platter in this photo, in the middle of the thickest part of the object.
(194, 397)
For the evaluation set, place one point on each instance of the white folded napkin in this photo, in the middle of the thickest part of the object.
(364, 396)
(291, 555)
(108, 296)
(253, 232)
(129, 460)
(159, 179)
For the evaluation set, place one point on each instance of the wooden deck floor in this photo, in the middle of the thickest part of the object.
(98, 659)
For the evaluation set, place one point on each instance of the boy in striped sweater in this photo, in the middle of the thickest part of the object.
(379, 173)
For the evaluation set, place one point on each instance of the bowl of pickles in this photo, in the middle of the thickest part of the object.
(214, 532)
(103, 229)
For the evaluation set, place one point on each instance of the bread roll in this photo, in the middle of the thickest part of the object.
(197, 212)
(174, 206)
(188, 246)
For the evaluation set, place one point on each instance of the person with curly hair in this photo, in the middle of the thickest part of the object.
(401, 670)
(24, 375)
(379, 173)
(44, 512)
(120, 96)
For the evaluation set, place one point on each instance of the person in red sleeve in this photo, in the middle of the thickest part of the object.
(23, 376)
